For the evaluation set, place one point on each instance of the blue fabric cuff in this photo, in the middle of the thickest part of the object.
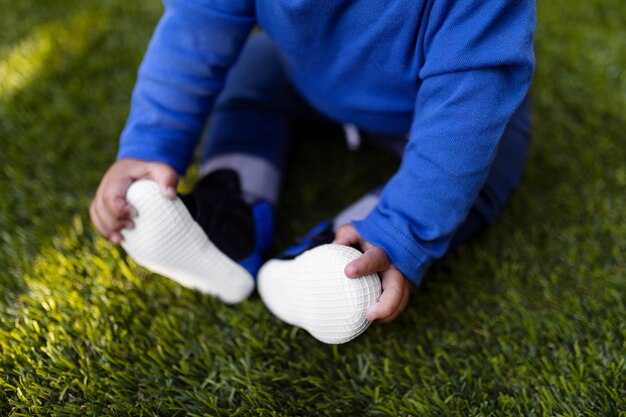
(154, 153)
(405, 253)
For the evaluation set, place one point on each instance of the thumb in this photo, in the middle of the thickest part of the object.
(347, 235)
(166, 177)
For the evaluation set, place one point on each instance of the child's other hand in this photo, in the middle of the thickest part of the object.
(396, 287)
(109, 211)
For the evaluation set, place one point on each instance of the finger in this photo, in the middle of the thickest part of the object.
(391, 297)
(166, 178)
(99, 224)
(117, 206)
(401, 307)
(109, 222)
(373, 260)
(347, 235)
(95, 220)
(116, 238)
(113, 195)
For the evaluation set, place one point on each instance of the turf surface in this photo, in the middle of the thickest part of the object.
(526, 320)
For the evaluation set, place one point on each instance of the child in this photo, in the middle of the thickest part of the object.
(441, 83)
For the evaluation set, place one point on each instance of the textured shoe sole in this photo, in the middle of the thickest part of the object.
(312, 292)
(167, 240)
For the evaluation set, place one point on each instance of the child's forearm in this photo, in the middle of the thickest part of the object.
(443, 169)
(474, 80)
(183, 70)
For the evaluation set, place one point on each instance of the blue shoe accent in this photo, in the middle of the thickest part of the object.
(321, 234)
(263, 214)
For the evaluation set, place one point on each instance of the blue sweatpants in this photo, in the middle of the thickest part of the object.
(258, 105)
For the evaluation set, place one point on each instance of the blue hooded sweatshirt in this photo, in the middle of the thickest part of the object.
(449, 72)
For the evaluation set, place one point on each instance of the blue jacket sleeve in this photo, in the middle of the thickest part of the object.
(193, 46)
(478, 65)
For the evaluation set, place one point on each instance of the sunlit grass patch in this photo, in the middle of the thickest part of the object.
(47, 47)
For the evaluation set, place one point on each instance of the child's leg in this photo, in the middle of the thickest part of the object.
(249, 128)
(504, 177)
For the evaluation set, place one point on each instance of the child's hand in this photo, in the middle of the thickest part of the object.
(109, 211)
(396, 288)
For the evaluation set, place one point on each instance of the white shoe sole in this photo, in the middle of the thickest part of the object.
(167, 240)
(312, 292)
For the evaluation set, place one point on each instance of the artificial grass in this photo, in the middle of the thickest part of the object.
(528, 319)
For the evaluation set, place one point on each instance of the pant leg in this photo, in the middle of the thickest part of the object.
(250, 124)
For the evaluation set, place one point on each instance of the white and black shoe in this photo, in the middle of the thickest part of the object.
(209, 240)
(306, 286)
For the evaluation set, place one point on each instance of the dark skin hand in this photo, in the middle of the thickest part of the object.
(396, 287)
(109, 211)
